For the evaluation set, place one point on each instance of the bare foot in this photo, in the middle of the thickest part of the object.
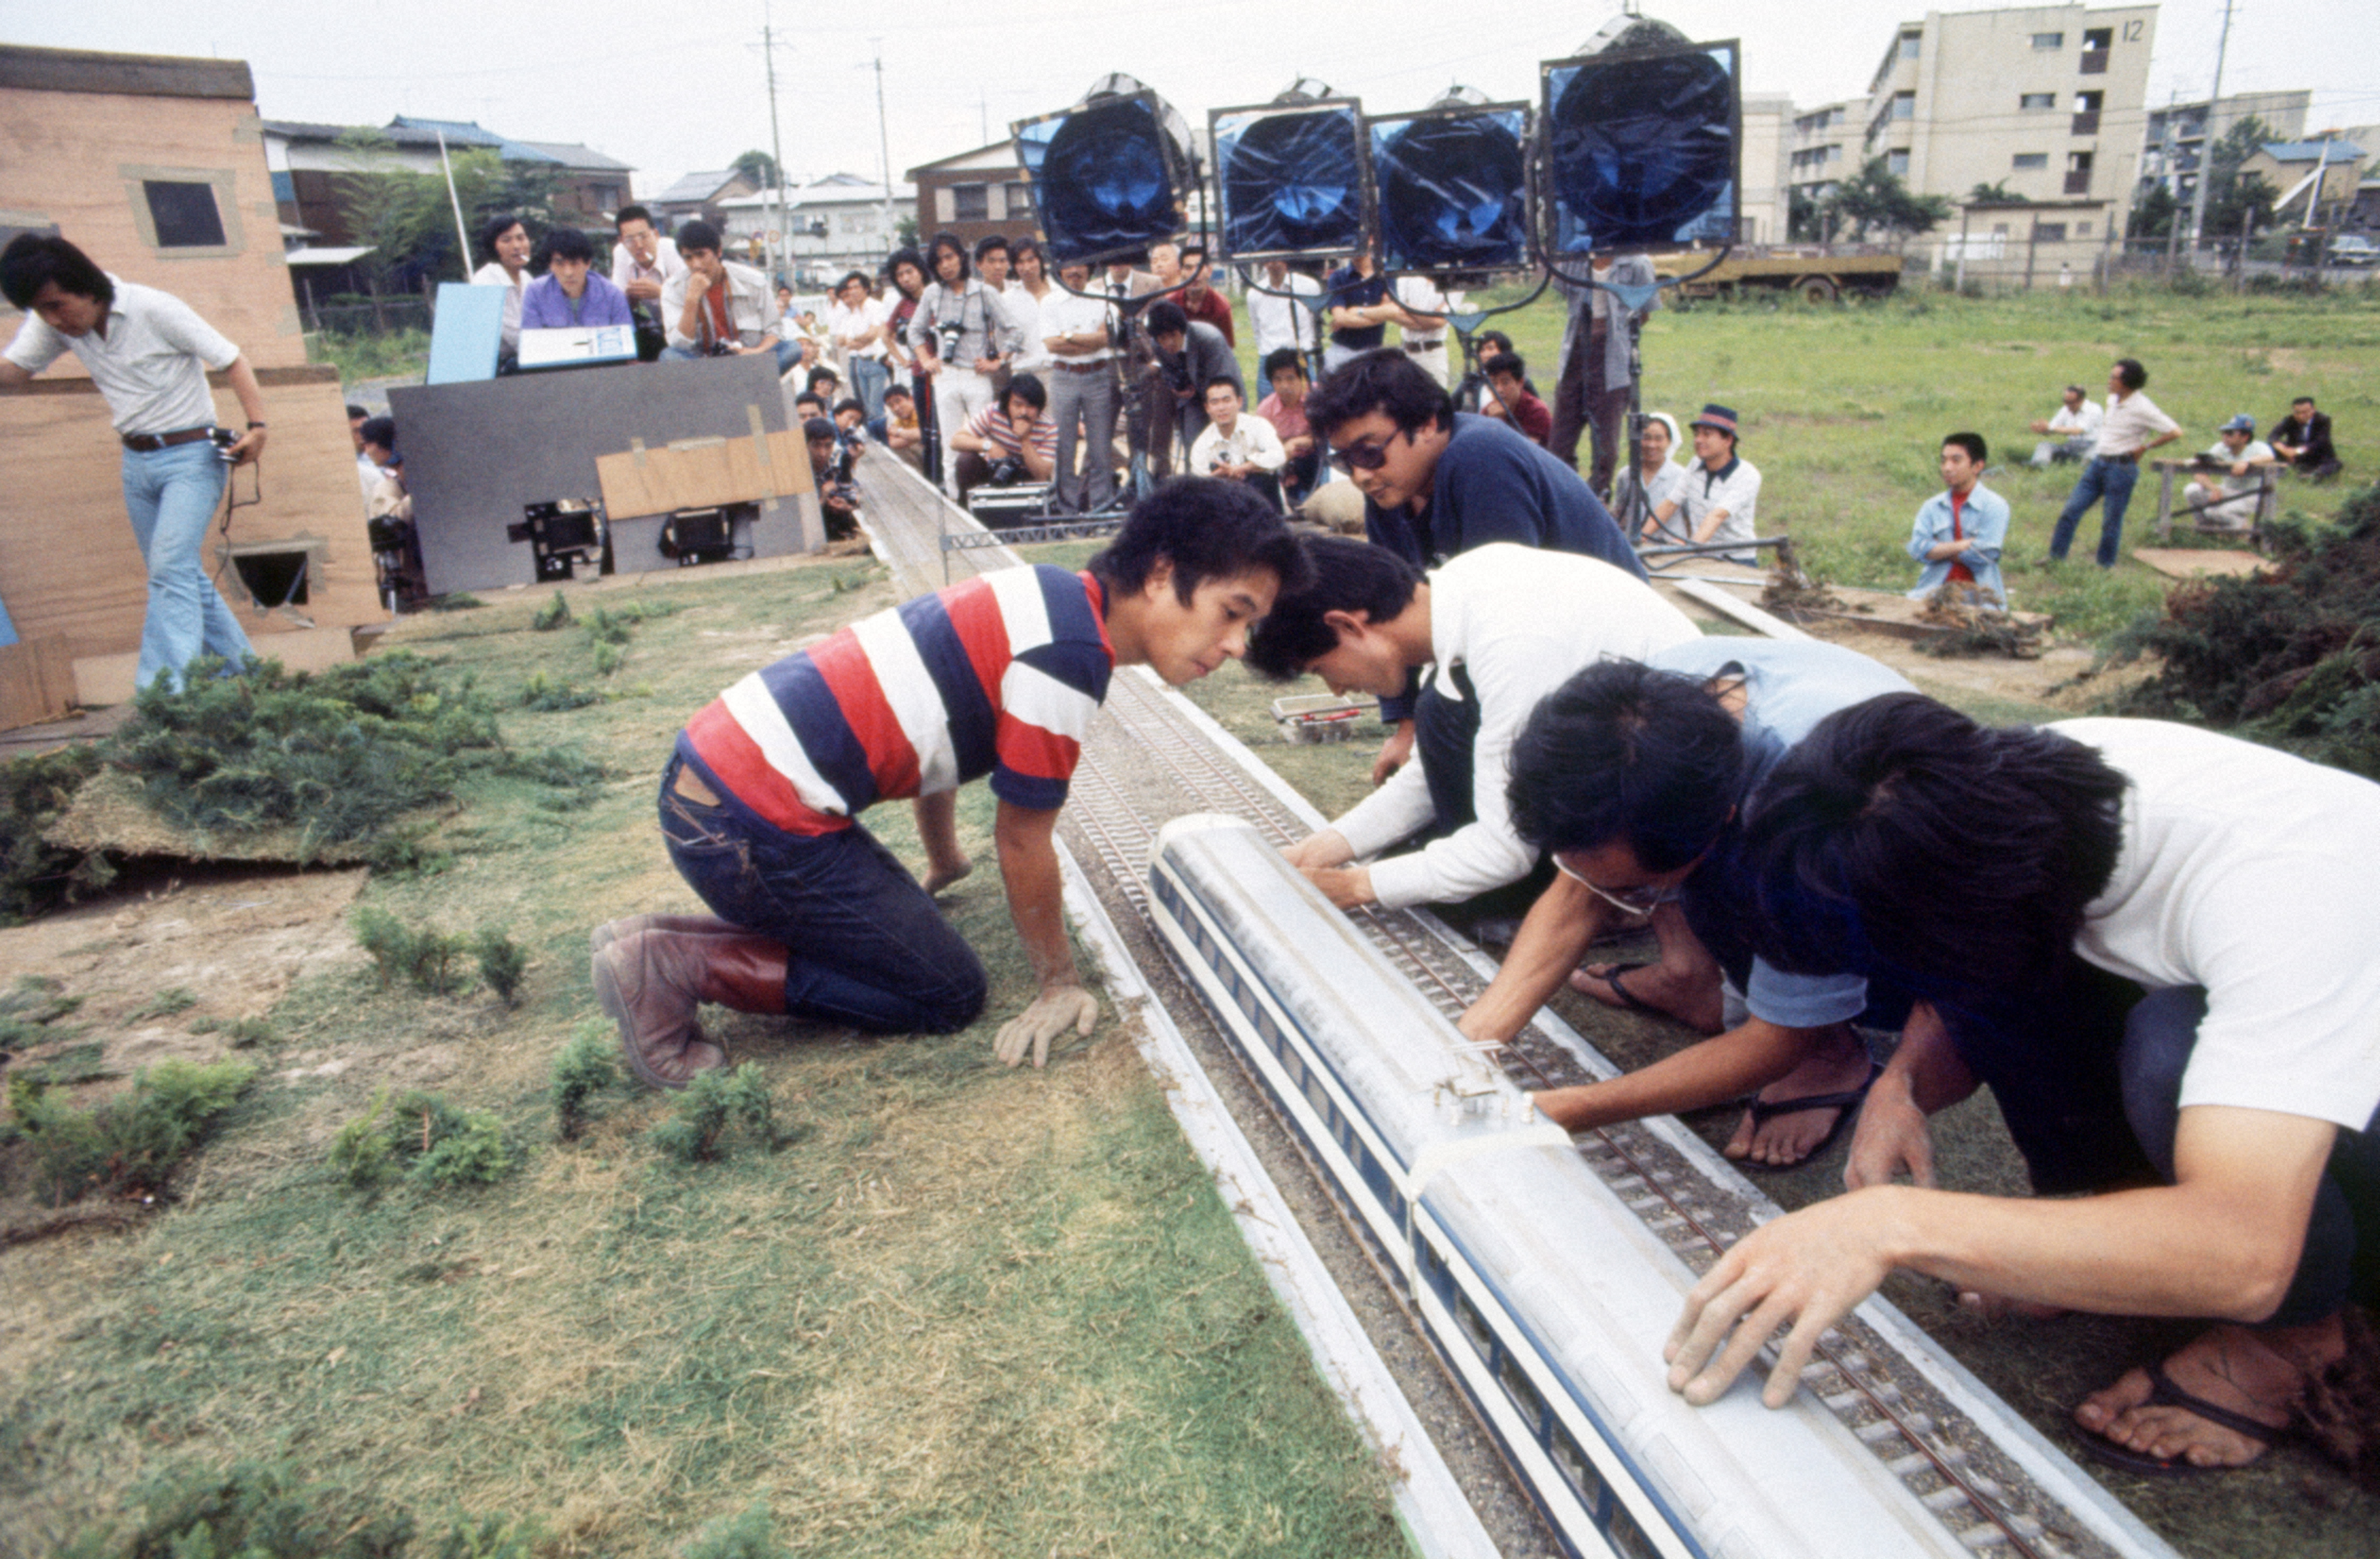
(940, 876)
(1784, 1139)
(1595, 979)
(2258, 1375)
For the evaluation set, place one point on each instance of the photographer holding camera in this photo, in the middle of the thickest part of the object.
(962, 336)
(718, 308)
(1013, 442)
(148, 353)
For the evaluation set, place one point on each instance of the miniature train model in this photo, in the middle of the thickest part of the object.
(1546, 1297)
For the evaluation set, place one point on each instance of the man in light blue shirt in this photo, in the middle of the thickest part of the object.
(1961, 530)
(1637, 778)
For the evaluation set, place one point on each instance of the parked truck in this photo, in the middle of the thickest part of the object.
(1820, 274)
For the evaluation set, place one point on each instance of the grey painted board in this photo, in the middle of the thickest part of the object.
(477, 455)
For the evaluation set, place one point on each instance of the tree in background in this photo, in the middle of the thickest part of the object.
(1994, 195)
(758, 167)
(1876, 201)
(2153, 213)
(2230, 195)
(404, 215)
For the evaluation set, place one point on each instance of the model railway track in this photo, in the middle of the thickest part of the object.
(1981, 1487)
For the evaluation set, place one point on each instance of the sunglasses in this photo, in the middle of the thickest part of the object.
(1632, 901)
(1362, 457)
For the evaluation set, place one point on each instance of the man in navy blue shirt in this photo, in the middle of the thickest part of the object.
(1436, 483)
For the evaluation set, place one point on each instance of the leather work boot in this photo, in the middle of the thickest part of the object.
(651, 981)
(610, 932)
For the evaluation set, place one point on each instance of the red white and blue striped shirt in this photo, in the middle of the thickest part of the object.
(999, 674)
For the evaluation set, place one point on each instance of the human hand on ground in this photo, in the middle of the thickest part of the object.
(1056, 1009)
(1804, 1272)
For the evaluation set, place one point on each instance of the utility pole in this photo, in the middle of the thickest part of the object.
(784, 227)
(2207, 162)
(884, 152)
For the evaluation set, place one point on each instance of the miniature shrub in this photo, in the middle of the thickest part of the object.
(712, 1103)
(424, 958)
(247, 1512)
(583, 1069)
(554, 614)
(542, 695)
(423, 1139)
(34, 875)
(165, 1003)
(748, 1535)
(502, 961)
(26, 1012)
(125, 1146)
(2291, 657)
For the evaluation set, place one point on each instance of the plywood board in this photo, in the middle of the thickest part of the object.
(703, 473)
(36, 681)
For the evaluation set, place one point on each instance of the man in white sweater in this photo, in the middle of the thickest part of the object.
(1504, 625)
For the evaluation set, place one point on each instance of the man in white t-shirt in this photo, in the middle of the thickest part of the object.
(1281, 321)
(856, 328)
(149, 354)
(2160, 948)
(2074, 428)
(1505, 626)
(2228, 485)
(1720, 497)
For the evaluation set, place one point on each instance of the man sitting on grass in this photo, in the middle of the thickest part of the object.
(997, 676)
(2156, 947)
(1960, 531)
(1504, 625)
(1637, 779)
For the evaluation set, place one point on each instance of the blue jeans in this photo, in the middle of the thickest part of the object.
(170, 495)
(789, 352)
(866, 946)
(868, 379)
(2102, 479)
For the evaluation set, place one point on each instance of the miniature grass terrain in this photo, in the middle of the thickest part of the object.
(1843, 408)
(937, 1307)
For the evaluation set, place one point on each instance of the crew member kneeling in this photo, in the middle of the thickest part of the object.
(997, 676)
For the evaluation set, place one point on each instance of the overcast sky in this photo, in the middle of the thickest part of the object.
(671, 87)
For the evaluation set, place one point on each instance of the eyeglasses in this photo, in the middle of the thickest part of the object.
(1632, 901)
(1362, 457)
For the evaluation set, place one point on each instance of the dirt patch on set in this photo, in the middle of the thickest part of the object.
(234, 938)
(109, 813)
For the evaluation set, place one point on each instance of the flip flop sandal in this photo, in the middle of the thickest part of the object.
(1848, 1101)
(2163, 1393)
(1627, 998)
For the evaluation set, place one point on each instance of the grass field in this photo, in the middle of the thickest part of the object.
(1843, 408)
(957, 1310)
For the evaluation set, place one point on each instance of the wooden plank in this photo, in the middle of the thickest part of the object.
(702, 473)
(36, 681)
(1719, 601)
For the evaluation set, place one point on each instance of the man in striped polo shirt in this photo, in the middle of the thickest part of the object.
(997, 676)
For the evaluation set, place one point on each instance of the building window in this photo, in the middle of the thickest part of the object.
(2037, 100)
(185, 214)
(2050, 232)
(970, 203)
(2049, 40)
(1896, 164)
(2081, 229)
(2099, 37)
(1020, 199)
(1909, 42)
(2024, 162)
(1904, 105)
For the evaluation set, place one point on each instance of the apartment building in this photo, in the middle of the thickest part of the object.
(2049, 103)
(2174, 141)
(1765, 119)
(1823, 150)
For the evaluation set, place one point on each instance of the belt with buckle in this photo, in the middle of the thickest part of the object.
(2132, 459)
(1424, 346)
(1083, 366)
(149, 443)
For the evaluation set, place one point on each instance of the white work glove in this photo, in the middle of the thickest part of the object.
(1052, 1013)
